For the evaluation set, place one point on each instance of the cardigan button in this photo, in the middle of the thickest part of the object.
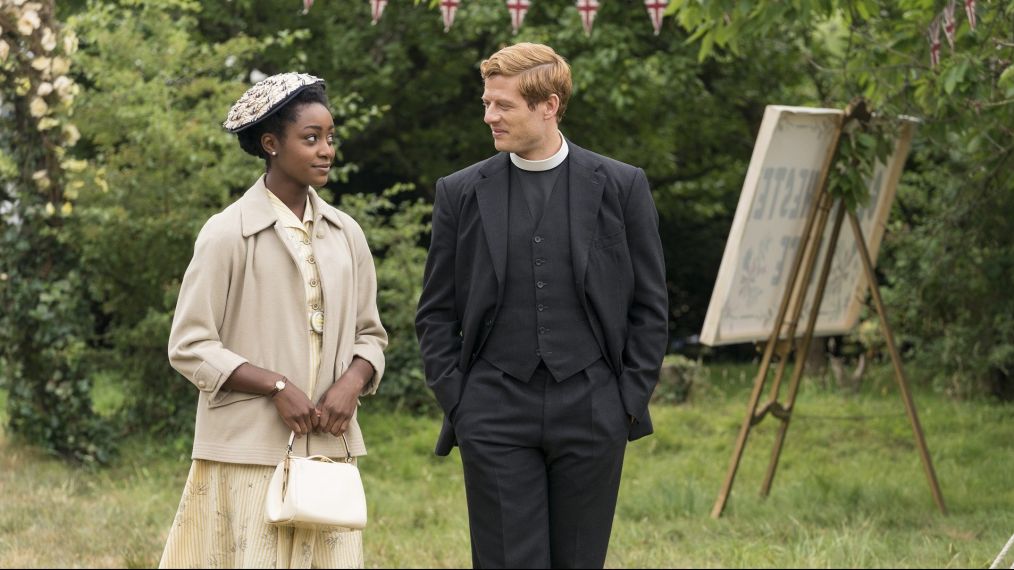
(201, 384)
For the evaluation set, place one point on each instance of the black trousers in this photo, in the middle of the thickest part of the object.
(542, 462)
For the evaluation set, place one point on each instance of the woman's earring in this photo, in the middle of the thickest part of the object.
(274, 153)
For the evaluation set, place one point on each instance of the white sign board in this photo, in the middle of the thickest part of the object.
(793, 148)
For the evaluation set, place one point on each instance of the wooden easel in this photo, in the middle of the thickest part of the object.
(783, 340)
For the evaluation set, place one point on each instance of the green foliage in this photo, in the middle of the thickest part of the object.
(395, 225)
(45, 324)
(166, 166)
(864, 143)
(948, 261)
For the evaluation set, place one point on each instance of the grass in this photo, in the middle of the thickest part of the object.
(850, 490)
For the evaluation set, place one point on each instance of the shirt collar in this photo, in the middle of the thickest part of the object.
(285, 215)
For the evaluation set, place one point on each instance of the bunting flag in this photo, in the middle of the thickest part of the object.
(934, 39)
(949, 23)
(307, 4)
(448, 8)
(587, 9)
(970, 12)
(518, 9)
(377, 9)
(656, 10)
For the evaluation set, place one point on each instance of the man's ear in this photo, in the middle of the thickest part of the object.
(552, 107)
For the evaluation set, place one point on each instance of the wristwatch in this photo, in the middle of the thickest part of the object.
(279, 386)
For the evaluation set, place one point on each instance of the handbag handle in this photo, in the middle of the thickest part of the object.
(348, 453)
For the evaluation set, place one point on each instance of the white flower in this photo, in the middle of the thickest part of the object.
(69, 42)
(72, 134)
(28, 22)
(74, 164)
(256, 76)
(47, 123)
(63, 86)
(38, 107)
(5, 50)
(41, 178)
(66, 209)
(45, 88)
(61, 65)
(72, 191)
(48, 40)
(41, 63)
(50, 210)
(22, 86)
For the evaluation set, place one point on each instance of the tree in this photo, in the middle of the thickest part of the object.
(45, 326)
(949, 255)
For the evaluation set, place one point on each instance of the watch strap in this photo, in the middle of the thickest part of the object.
(278, 388)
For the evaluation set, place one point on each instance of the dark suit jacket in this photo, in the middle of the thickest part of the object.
(618, 267)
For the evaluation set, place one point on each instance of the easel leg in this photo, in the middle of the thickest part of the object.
(899, 373)
(800, 356)
(814, 228)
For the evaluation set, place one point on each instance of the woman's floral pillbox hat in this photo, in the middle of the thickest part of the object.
(263, 98)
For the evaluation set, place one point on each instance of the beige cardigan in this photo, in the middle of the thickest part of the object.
(242, 300)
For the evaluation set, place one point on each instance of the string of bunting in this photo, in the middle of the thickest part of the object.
(946, 22)
(517, 9)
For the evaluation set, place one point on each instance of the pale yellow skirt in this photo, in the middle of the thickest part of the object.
(220, 524)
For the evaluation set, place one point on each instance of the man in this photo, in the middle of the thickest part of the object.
(542, 323)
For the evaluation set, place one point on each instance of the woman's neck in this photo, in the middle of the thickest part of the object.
(290, 192)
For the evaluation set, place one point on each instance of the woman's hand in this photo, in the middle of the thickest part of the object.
(338, 404)
(296, 410)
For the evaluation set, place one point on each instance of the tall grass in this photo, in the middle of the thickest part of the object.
(850, 490)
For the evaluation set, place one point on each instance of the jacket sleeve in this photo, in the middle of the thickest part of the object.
(647, 317)
(195, 347)
(371, 338)
(437, 323)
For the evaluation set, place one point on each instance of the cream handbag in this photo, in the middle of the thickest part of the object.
(316, 491)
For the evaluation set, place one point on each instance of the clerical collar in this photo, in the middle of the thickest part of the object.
(545, 164)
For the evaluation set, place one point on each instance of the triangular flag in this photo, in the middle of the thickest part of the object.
(949, 23)
(970, 12)
(587, 9)
(448, 9)
(518, 9)
(656, 10)
(306, 5)
(377, 9)
(934, 39)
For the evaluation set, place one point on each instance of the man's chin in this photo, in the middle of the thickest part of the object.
(502, 146)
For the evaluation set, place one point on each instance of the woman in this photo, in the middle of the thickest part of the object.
(277, 326)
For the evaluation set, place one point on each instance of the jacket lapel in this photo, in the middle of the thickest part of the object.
(256, 213)
(491, 194)
(586, 186)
